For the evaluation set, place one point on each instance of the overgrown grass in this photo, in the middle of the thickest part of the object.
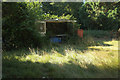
(87, 58)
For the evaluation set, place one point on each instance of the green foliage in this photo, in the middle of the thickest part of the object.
(96, 15)
(84, 19)
(92, 15)
(58, 10)
(48, 16)
(18, 19)
(18, 25)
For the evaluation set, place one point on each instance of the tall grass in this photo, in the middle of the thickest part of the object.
(76, 58)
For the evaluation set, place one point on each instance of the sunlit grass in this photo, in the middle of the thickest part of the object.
(96, 61)
(113, 45)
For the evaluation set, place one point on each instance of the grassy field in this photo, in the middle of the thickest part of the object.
(87, 58)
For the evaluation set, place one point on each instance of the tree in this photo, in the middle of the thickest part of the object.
(97, 15)
(19, 25)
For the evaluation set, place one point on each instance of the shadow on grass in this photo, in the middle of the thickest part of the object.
(80, 45)
(13, 68)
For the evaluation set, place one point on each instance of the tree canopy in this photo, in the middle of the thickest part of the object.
(19, 18)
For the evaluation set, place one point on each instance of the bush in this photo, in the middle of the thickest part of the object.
(19, 26)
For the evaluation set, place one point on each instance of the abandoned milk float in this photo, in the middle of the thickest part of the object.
(56, 29)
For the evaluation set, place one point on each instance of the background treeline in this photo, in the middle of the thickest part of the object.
(18, 19)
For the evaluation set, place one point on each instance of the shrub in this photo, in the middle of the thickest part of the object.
(19, 26)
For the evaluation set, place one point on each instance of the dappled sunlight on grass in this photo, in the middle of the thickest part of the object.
(87, 57)
(113, 43)
(97, 58)
(102, 62)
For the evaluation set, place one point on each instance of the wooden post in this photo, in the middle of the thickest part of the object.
(80, 33)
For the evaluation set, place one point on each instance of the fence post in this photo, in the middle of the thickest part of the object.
(80, 33)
